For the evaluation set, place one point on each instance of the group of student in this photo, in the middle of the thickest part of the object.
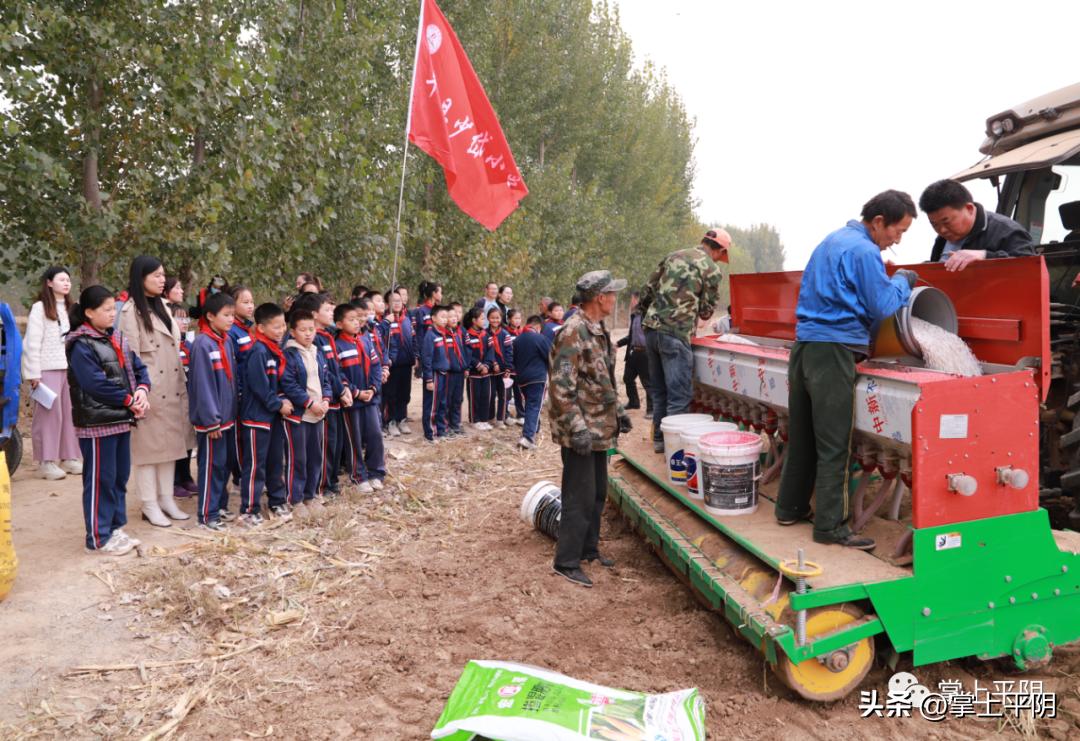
(487, 356)
(294, 403)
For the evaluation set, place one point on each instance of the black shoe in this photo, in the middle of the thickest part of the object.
(632, 406)
(658, 446)
(851, 540)
(786, 521)
(575, 575)
(648, 414)
(606, 562)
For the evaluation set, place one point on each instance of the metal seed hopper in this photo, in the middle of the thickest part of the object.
(944, 477)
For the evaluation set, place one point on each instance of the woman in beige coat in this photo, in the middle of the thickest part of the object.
(164, 435)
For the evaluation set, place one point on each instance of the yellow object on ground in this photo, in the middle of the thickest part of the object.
(8, 562)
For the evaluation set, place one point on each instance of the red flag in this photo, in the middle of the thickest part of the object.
(452, 120)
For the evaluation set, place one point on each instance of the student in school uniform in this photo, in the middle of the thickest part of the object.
(434, 365)
(514, 328)
(241, 340)
(531, 352)
(359, 363)
(500, 358)
(212, 406)
(430, 296)
(401, 356)
(455, 377)
(263, 409)
(306, 383)
(554, 321)
(109, 387)
(479, 373)
(333, 433)
(378, 372)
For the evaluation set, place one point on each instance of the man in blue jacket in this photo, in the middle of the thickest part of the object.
(844, 292)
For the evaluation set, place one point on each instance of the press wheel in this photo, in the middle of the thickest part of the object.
(812, 679)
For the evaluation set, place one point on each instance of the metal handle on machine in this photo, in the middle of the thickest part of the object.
(800, 570)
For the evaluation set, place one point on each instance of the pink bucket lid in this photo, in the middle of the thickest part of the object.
(730, 439)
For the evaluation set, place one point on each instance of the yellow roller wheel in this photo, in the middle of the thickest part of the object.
(840, 672)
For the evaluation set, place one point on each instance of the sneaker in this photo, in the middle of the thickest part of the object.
(134, 541)
(526, 443)
(395, 431)
(281, 512)
(300, 511)
(72, 466)
(315, 506)
(250, 521)
(606, 562)
(52, 472)
(116, 546)
(216, 525)
(851, 540)
(519, 421)
(225, 515)
(377, 484)
(365, 487)
(508, 422)
(455, 432)
(577, 576)
(403, 426)
(486, 426)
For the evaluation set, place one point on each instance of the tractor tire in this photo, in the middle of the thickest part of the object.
(13, 450)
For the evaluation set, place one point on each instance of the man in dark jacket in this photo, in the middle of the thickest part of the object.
(637, 361)
(966, 231)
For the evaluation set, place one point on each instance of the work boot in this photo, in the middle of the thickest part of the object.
(577, 576)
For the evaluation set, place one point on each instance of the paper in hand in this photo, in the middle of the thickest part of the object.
(43, 395)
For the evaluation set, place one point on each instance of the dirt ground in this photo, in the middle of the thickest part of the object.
(358, 626)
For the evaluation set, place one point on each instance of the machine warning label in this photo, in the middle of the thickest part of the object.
(953, 427)
(945, 541)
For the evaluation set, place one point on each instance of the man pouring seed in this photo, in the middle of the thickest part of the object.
(844, 292)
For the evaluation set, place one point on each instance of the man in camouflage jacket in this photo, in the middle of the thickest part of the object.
(684, 288)
(586, 417)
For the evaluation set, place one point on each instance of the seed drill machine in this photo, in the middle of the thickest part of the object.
(944, 476)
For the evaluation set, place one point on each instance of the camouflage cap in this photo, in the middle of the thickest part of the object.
(596, 282)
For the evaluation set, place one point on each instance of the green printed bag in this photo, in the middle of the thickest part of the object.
(504, 701)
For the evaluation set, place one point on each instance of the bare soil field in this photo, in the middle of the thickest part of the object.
(358, 625)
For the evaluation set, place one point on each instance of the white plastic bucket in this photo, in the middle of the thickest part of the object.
(728, 471)
(542, 508)
(690, 438)
(672, 427)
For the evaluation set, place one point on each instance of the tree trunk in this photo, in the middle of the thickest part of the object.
(543, 146)
(89, 264)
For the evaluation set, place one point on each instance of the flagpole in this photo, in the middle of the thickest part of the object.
(405, 150)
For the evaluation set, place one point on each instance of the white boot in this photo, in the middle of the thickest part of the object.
(146, 482)
(170, 508)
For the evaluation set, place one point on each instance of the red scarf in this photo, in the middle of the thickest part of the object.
(513, 331)
(496, 343)
(361, 351)
(377, 339)
(119, 349)
(242, 324)
(327, 337)
(448, 337)
(275, 350)
(220, 341)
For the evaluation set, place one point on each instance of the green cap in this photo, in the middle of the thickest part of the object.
(596, 282)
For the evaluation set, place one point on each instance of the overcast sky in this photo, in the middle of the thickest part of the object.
(805, 110)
